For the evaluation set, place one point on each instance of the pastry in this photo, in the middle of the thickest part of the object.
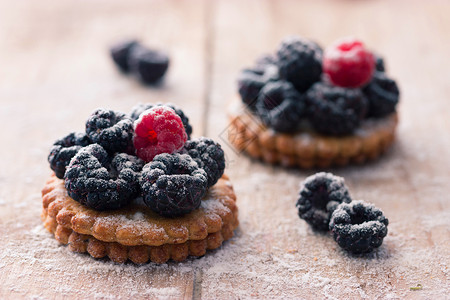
(308, 108)
(170, 201)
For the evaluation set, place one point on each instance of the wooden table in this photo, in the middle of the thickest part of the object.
(55, 69)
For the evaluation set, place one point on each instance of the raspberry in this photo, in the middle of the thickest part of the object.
(120, 53)
(280, 106)
(208, 155)
(64, 149)
(358, 227)
(111, 130)
(173, 184)
(149, 65)
(300, 62)
(348, 63)
(138, 109)
(320, 194)
(252, 80)
(158, 130)
(94, 181)
(335, 110)
(383, 95)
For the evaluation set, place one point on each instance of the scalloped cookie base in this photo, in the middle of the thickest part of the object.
(120, 233)
(308, 149)
(82, 243)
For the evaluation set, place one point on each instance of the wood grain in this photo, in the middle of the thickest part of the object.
(54, 70)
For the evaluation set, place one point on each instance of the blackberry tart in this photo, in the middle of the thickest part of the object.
(323, 108)
(139, 191)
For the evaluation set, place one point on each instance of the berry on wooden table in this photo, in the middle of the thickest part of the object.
(320, 194)
(358, 227)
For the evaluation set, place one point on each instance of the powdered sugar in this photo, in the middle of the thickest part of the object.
(313, 268)
(274, 254)
(212, 205)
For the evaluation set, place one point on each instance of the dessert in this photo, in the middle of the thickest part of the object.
(309, 108)
(325, 204)
(139, 191)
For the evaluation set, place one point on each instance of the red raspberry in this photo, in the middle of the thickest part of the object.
(158, 130)
(348, 63)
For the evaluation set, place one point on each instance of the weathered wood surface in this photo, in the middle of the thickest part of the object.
(54, 70)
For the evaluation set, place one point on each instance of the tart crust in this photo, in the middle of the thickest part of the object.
(137, 233)
(308, 149)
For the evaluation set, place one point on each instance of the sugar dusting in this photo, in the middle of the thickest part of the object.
(315, 267)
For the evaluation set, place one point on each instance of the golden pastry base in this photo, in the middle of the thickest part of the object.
(137, 233)
(308, 149)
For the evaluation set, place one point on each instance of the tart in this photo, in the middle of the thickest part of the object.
(305, 107)
(170, 201)
(136, 232)
(308, 149)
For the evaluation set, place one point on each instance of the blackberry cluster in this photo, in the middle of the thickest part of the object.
(358, 227)
(64, 149)
(379, 64)
(99, 172)
(320, 194)
(252, 80)
(121, 52)
(325, 204)
(335, 110)
(173, 184)
(209, 156)
(298, 68)
(383, 95)
(138, 109)
(99, 182)
(112, 130)
(147, 64)
(300, 62)
(280, 106)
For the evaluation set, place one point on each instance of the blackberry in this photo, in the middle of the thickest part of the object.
(94, 180)
(141, 107)
(266, 59)
(252, 80)
(300, 62)
(149, 65)
(64, 149)
(358, 227)
(334, 110)
(383, 95)
(320, 194)
(120, 53)
(280, 106)
(173, 184)
(209, 156)
(379, 63)
(74, 138)
(112, 130)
